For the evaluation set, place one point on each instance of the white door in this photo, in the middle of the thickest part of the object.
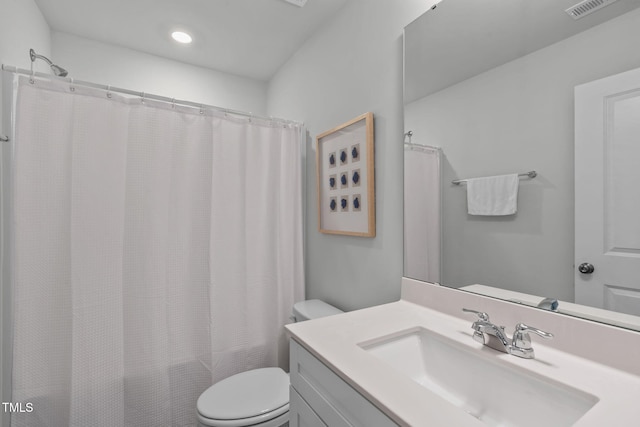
(607, 193)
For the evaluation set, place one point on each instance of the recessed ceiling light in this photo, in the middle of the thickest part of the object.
(181, 37)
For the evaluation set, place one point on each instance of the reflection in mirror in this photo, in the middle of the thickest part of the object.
(491, 84)
(422, 211)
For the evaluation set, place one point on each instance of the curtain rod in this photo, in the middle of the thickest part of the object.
(416, 145)
(16, 70)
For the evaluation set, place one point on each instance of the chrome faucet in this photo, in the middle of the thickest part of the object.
(487, 333)
(550, 304)
(495, 337)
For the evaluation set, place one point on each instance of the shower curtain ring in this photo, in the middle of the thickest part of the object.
(32, 80)
(109, 91)
(173, 103)
(201, 109)
(71, 87)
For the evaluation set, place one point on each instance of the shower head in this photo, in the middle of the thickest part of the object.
(57, 70)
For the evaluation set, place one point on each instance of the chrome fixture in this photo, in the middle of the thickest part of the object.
(487, 333)
(550, 304)
(521, 344)
(57, 70)
(586, 268)
(493, 336)
(530, 174)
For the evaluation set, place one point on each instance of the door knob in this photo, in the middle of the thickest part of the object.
(586, 268)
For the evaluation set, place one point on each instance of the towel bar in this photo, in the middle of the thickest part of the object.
(530, 174)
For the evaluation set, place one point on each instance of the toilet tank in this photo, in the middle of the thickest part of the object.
(313, 309)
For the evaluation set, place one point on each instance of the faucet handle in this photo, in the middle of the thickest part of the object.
(478, 334)
(521, 338)
(481, 314)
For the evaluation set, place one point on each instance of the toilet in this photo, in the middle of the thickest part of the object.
(259, 397)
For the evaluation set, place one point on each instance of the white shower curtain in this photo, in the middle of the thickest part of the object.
(158, 249)
(422, 207)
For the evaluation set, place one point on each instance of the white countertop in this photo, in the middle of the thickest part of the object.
(334, 340)
(578, 310)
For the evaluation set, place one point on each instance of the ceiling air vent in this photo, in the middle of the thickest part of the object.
(586, 7)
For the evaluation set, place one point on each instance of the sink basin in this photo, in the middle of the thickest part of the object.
(498, 394)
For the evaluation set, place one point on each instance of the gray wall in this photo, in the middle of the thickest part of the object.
(352, 66)
(515, 118)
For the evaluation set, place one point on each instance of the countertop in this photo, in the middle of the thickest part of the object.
(334, 340)
(572, 309)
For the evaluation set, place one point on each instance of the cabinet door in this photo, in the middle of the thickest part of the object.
(300, 414)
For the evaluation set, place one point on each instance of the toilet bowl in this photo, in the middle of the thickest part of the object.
(259, 397)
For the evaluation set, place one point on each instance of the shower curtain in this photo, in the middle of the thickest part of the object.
(422, 207)
(157, 249)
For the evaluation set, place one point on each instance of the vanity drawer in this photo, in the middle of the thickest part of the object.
(301, 414)
(332, 399)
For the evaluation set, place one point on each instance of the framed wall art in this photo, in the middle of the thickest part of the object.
(346, 180)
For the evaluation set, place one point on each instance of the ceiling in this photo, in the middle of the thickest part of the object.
(463, 38)
(250, 38)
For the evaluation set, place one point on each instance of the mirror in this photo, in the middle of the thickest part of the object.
(489, 90)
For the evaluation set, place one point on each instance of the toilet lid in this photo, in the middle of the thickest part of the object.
(244, 395)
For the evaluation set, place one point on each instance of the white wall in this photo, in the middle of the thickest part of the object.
(22, 27)
(515, 118)
(117, 66)
(352, 66)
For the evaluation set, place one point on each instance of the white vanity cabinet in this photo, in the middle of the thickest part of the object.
(320, 398)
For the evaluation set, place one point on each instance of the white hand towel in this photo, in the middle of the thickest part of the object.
(493, 195)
